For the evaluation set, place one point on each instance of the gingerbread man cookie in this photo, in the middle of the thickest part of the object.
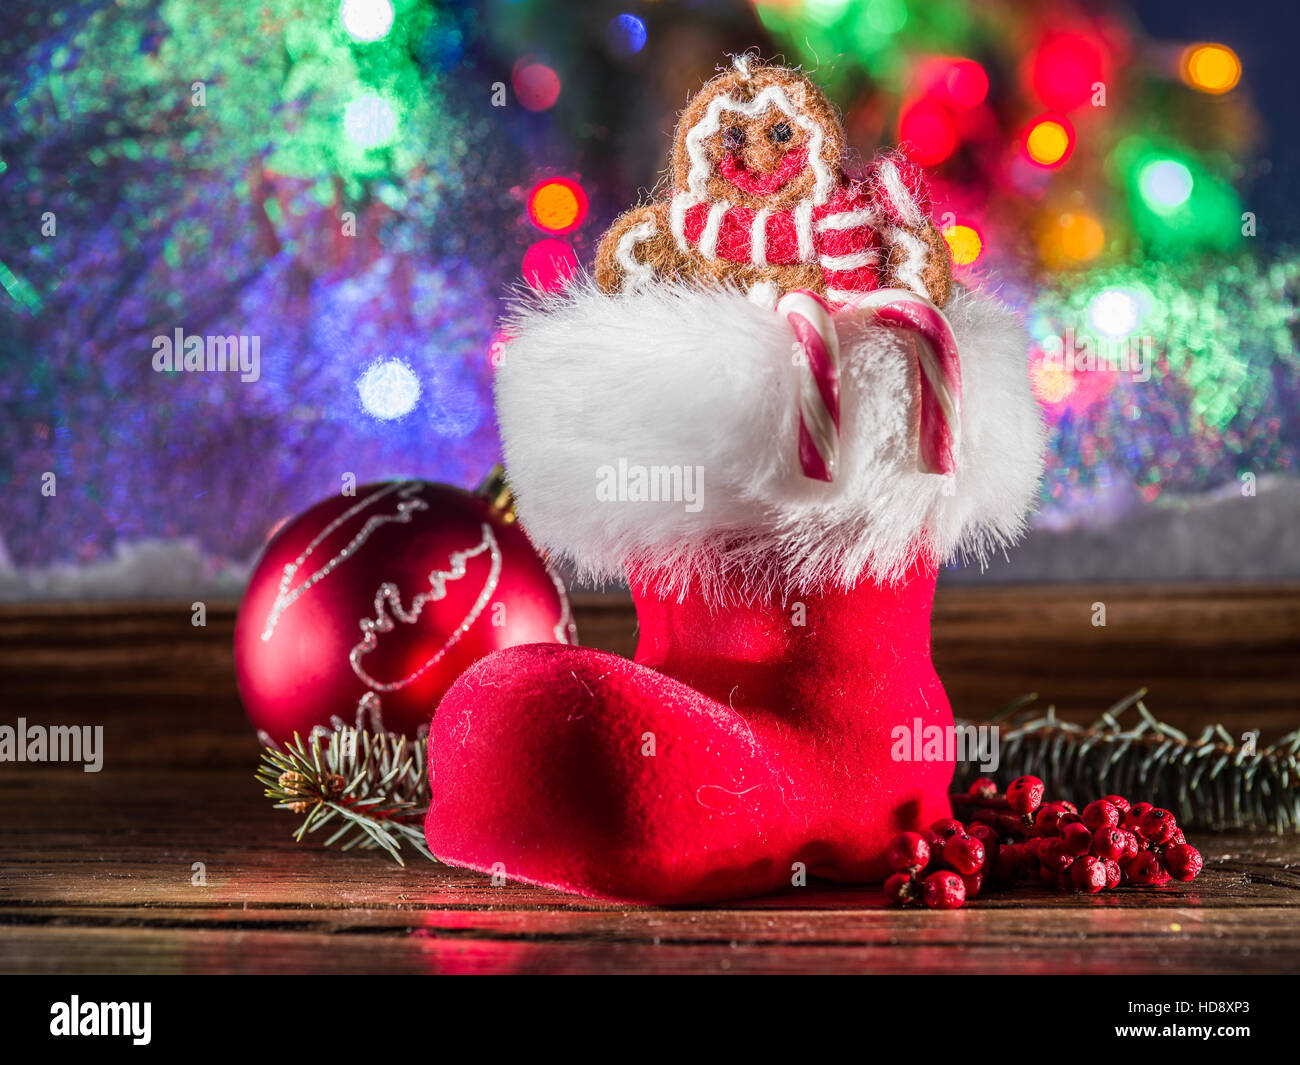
(759, 200)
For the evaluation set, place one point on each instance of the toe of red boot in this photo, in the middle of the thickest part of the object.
(580, 770)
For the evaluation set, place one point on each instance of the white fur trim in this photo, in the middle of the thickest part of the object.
(765, 294)
(803, 230)
(758, 237)
(635, 272)
(772, 96)
(671, 375)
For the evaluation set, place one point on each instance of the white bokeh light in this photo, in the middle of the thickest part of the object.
(1115, 312)
(389, 389)
(366, 20)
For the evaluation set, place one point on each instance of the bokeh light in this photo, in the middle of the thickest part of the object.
(388, 389)
(886, 16)
(966, 83)
(370, 121)
(1165, 184)
(625, 35)
(1115, 312)
(557, 205)
(1211, 68)
(1050, 141)
(549, 265)
(927, 133)
(1065, 70)
(366, 20)
(964, 242)
(536, 85)
(1073, 237)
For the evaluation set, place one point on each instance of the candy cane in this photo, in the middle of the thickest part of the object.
(819, 381)
(940, 369)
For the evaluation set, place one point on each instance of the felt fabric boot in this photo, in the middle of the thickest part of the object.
(744, 750)
(784, 621)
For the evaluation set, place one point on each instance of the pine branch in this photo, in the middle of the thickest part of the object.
(371, 787)
(1210, 782)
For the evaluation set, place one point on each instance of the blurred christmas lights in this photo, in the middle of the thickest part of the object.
(1066, 70)
(927, 132)
(1050, 141)
(625, 35)
(1211, 68)
(549, 265)
(964, 242)
(369, 121)
(366, 20)
(1073, 236)
(536, 85)
(966, 83)
(557, 205)
(1115, 312)
(1165, 184)
(389, 389)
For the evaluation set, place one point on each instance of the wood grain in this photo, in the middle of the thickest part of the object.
(96, 868)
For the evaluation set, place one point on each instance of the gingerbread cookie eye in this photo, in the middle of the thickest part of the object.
(733, 138)
(781, 133)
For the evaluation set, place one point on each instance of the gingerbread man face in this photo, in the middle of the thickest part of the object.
(758, 138)
(759, 201)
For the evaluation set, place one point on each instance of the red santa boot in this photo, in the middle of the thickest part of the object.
(784, 619)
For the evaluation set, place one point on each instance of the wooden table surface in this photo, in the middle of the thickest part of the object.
(96, 869)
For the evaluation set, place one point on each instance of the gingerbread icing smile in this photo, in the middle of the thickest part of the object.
(792, 165)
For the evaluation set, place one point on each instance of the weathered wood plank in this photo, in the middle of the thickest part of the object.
(95, 869)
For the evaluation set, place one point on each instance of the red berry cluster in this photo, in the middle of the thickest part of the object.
(1017, 838)
(942, 867)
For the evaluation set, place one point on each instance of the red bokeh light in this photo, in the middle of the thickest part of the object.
(1065, 68)
(536, 85)
(549, 265)
(965, 83)
(927, 132)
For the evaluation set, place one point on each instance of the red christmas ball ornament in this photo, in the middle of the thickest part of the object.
(366, 607)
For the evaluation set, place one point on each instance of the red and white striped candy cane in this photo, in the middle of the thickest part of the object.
(940, 369)
(819, 382)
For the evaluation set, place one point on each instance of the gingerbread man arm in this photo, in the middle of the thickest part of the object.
(919, 260)
(638, 248)
(918, 257)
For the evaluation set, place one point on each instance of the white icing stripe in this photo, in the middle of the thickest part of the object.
(898, 194)
(758, 237)
(909, 270)
(842, 295)
(709, 238)
(635, 273)
(848, 262)
(847, 220)
(803, 229)
(677, 219)
(772, 96)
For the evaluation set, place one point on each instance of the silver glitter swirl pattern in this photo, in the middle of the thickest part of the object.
(389, 597)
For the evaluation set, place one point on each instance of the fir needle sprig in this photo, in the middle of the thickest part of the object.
(1212, 781)
(372, 787)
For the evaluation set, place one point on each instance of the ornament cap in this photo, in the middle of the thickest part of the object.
(496, 490)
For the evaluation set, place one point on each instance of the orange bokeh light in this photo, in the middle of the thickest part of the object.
(557, 205)
(1050, 141)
